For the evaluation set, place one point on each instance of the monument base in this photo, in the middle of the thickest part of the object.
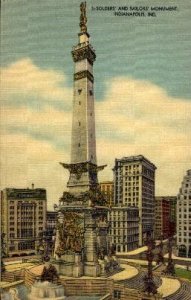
(69, 265)
(92, 269)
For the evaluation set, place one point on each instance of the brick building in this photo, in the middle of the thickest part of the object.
(107, 188)
(165, 216)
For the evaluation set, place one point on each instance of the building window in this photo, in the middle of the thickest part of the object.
(79, 91)
(79, 102)
(117, 294)
(12, 248)
(26, 245)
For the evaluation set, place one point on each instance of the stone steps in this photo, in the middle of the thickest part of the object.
(86, 286)
(12, 276)
(184, 293)
(137, 282)
(29, 278)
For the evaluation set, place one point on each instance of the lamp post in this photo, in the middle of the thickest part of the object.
(150, 286)
(170, 266)
(43, 247)
(53, 241)
(160, 258)
(3, 253)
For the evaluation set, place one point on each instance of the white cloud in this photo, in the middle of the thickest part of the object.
(25, 161)
(135, 117)
(48, 121)
(26, 79)
(28, 152)
(145, 120)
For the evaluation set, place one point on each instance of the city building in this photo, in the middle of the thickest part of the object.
(165, 216)
(23, 219)
(162, 218)
(134, 185)
(173, 214)
(124, 228)
(51, 221)
(107, 188)
(184, 217)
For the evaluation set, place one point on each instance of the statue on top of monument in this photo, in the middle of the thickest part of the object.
(83, 18)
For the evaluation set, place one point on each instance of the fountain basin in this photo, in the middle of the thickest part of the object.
(46, 290)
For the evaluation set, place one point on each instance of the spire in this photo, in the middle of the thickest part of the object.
(83, 18)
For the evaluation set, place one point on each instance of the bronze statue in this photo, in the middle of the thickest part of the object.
(49, 274)
(83, 18)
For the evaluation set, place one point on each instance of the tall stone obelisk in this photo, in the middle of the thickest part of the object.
(83, 143)
(82, 216)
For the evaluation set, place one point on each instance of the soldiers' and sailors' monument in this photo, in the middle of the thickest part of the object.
(81, 244)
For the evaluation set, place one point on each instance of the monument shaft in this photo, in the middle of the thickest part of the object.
(83, 124)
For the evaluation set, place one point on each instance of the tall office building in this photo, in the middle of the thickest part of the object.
(23, 219)
(184, 217)
(134, 185)
(107, 188)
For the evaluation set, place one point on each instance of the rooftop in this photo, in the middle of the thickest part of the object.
(124, 208)
(137, 158)
(15, 193)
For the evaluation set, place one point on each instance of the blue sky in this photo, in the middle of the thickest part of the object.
(156, 49)
(142, 89)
